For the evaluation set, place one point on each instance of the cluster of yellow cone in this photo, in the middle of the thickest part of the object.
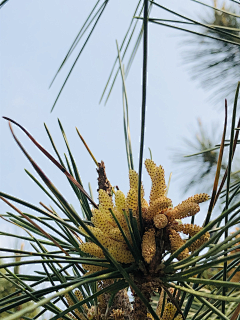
(106, 230)
(158, 214)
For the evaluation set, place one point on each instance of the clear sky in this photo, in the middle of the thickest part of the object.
(35, 36)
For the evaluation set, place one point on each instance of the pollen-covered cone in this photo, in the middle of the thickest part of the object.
(106, 228)
(151, 168)
(176, 242)
(92, 249)
(103, 238)
(196, 244)
(169, 312)
(132, 201)
(80, 297)
(144, 208)
(132, 196)
(156, 206)
(121, 219)
(105, 200)
(103, 220)
(121, 253)
(158, 185)
(133, 181)
(160, 221)
(148, 245)
(183, 210)
(120, 200)
(191, 230)
(199, 198)
(119, 250)
(116, 234)
(106, 213)
(188, 207)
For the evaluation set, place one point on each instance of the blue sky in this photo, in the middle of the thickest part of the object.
(35, 36)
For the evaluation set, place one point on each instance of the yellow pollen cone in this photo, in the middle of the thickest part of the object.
(132, 200)
(151, 168)
(92, 248)
(176, 243)
(120, 200)
(148, 245)
(157, 206)
(158, 185)
(105, 200)
(160, 221)
(169, 311)
(198, 198)
(185, 209)
(121, 253)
